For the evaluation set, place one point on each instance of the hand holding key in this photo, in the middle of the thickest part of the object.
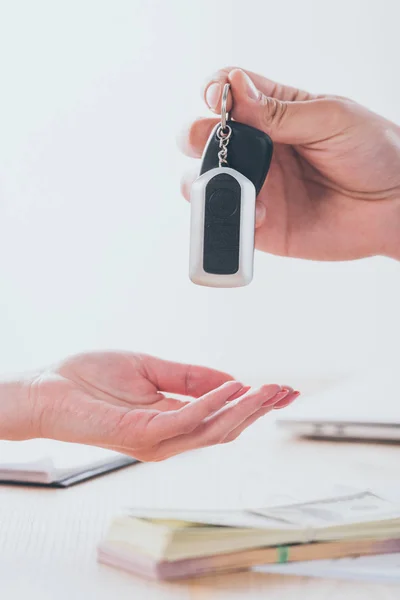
(333, 188)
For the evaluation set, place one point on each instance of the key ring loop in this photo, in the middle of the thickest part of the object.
(224, 136)
(224, 112)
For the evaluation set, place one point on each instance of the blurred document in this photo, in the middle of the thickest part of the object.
(349, 511)
(49, 462)
(379, 568)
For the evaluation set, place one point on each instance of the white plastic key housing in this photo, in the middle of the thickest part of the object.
(244, 274)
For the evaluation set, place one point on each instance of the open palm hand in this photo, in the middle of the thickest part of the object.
(123, 401)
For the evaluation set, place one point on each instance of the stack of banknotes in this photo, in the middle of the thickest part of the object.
(175, 544)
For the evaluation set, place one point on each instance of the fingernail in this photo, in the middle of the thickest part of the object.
(245, 388)
(287, 389)
(279, 396)
(287, 401)
(240, 392)
(213, 95)
(247, 84)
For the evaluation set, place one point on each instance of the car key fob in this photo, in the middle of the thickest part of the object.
(235, 164)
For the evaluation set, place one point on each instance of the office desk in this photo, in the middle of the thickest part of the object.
(48, 537)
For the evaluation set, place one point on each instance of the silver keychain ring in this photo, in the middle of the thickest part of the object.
(224, 101)
(224, 134)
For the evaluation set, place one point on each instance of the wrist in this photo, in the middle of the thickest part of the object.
(17, 409)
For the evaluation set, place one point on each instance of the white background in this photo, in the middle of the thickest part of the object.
(93, 231)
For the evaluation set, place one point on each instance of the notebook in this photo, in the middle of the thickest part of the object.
(55, 464)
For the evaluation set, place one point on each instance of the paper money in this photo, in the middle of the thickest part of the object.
(336, 510)
(358, 507)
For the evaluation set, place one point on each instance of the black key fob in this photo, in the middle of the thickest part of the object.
(235, 164)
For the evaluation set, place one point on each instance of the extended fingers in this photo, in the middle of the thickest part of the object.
(233, 415)
(218, 426)
(281, 400)
(186, 419)
(220, 422)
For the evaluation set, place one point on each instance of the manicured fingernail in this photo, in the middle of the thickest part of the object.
(245, 389)
(279, 396)
(284, 403)
(240, 392)
(270, 392)
(213, 95)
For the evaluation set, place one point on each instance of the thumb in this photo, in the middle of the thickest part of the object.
(287, 122)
